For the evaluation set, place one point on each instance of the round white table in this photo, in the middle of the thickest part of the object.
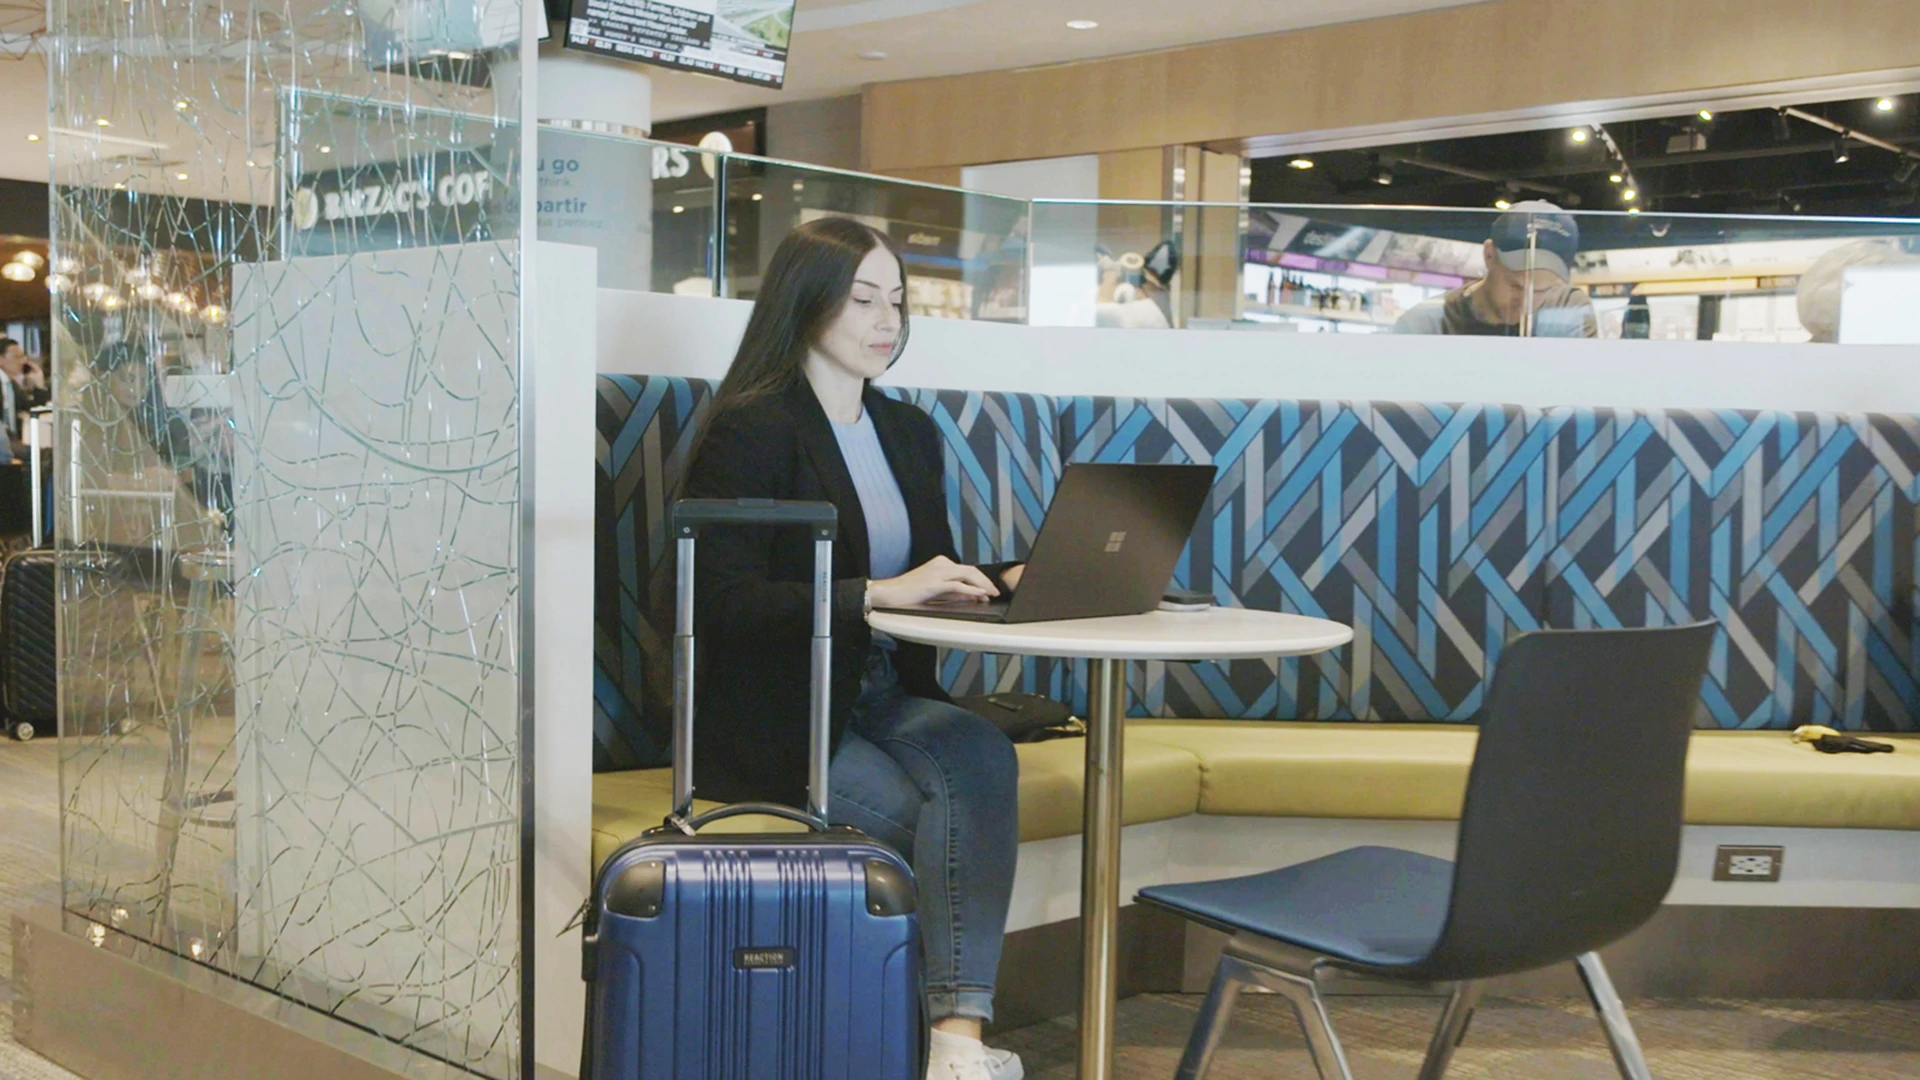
(1214, 634)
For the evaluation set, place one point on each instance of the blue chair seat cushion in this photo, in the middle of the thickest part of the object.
(1372, 906)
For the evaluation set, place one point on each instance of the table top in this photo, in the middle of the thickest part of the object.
(1219, 633)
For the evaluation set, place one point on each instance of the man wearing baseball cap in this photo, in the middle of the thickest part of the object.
(1535, 243)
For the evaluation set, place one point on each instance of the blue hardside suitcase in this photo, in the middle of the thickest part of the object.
(788, 956)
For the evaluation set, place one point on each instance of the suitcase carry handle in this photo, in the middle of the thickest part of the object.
(695, 824)
(688, 517)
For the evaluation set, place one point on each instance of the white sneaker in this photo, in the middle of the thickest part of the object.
(968, 1059)
(1004, 1064)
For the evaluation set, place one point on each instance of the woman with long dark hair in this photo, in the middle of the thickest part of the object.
(797, 418)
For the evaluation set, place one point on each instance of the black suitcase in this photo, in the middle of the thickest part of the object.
(29, 684)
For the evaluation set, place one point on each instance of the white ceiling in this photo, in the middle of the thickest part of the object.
(924, 38)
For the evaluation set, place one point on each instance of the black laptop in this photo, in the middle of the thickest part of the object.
(1107, 547)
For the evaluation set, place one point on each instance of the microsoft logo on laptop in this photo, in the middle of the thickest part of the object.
(1114, 541)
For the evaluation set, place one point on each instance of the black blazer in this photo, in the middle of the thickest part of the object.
(753, 614)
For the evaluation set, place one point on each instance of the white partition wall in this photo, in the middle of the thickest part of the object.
(697, 336)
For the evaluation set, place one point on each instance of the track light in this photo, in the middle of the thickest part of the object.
(1301, 163)
(1706, 114)
(1629, 195)
(1840, 153)
(1580, 135)
(1502, 204)
(1885, 104)
(1615, 178)
(1782, 127)
(1381, 175)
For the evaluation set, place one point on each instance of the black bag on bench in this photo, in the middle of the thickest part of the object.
(1025, 718)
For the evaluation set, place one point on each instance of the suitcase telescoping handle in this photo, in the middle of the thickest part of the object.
(688, 518)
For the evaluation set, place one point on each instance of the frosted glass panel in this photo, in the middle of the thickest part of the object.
(289, 502)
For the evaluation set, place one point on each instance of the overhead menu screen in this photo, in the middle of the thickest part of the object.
(745, 40)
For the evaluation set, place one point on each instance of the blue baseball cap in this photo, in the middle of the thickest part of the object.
(1556, 238)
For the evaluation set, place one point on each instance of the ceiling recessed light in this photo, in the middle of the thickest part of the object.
(33, 138)
(1885, 104)
(179, 176)
(103, 122)
(119, 187)
(874, 54)
(1502, 204)
(1300, 163)
(182, 105)
(1629, 194)
(1581, 134)
(1633, 209)
(326, 149)
(1616, 178)
(679, 209)
(251, 165)
(1082, 24)
(1706, 114)
(757, 196)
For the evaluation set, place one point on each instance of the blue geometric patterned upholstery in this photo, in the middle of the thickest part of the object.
(644, 424)
(1795, 530)
(1002, 465)
(1436, 531)
(1418, 525)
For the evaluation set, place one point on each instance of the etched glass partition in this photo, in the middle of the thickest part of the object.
(289, 500)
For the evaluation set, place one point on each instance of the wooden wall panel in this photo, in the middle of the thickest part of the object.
(1466, 61)
(933, 174)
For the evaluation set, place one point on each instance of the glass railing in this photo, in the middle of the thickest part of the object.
(1380, 269)
(670, 218)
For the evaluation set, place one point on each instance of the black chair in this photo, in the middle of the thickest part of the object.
(1568, 841)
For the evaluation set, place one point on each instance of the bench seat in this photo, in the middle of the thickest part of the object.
(1162, 782)
(1419, 772)
(1360, 770)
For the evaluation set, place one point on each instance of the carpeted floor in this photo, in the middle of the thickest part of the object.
(1384, 1037)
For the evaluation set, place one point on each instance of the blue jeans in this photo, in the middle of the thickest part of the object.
(941, 786)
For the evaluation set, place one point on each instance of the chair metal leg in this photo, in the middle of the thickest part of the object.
(1451, 1030)
(1228, 978)
(1613, 1018)
(1304, 993)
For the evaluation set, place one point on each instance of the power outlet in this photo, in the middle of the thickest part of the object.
(1734, 863)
